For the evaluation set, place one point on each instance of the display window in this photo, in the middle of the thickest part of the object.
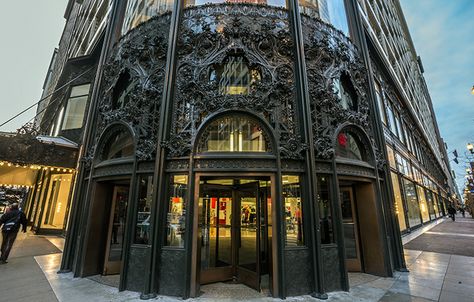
(176, 215)
(325, 209)
(54, 211)
(143, 214)
(398, 205)
(291, 189)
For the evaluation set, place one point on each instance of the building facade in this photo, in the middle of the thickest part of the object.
(279, 144)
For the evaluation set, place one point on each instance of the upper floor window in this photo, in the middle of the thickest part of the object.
(121, 93)
(330, 11)
(280, 3)
(345, 92)
(139, 11)
(76, 107)
(378, 95)
(234, 133)
(235, 76)
(349, 146)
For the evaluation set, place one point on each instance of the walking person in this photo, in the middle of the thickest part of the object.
(452, 212)
(11, 222)
(463, 212)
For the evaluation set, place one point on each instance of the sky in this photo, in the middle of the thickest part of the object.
(29, 31)
(443, 34)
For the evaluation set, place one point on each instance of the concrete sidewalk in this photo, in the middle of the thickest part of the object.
(21, 279)
(433, 276)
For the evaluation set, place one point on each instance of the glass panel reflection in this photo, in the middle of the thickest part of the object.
(330, 11)
(412, 203)
(348, 223)
(399, 210)
(325, 210)
(142, 227)
(425, 215)
(118, 219)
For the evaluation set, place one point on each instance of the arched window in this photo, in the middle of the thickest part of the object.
(346, 93)
(236, 133)
(280, 3)
(118, 145)
(349, 146)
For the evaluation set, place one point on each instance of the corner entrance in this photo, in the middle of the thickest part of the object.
(234, 219)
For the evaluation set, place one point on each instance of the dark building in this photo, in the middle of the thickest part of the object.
(278, 144)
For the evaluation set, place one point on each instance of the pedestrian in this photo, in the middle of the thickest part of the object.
(11, 222)
(463, 212)
(452, 212)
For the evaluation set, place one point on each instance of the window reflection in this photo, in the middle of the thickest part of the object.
(325, 209)
(330, 11)
(399, 210)
(412, 203)
(235, 76)
(233, 134)
(291, 190)
(139, 11)
(142, 227)
(176, 217)
(345, 92)
(76, 107)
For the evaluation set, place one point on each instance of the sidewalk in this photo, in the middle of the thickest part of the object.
(433, 276)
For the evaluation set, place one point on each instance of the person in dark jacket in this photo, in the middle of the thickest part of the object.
(11, 222)
(452, 212)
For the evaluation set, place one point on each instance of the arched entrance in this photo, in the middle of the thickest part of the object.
(233, 202)
(105, 236)
(362, 233)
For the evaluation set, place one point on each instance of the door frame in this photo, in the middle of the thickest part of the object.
(196, 251)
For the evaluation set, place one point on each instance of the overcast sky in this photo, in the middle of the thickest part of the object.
(443, 34)
(29, 32)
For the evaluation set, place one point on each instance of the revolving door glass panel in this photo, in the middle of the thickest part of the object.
(232, 227)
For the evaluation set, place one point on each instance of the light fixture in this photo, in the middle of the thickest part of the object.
(470, 147)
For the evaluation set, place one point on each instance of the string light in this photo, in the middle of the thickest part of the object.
(37, 167)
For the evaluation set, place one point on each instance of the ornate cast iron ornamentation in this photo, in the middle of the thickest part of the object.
(133, 84)
(331, 56)
(260, 36)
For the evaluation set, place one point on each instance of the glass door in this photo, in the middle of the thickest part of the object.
(116, 231)
(350, 229)
(230, 219)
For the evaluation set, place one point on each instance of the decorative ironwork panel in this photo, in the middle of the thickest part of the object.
(133, 84)
(337, 83)
(235, 57)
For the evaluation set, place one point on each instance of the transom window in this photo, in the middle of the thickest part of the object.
(280, 3)
(119, 145)
(349, 146)
(233, 134)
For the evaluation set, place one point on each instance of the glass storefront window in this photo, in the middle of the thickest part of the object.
(176, 217)
(139, 11)
(233, 134)
(423, 204)
(291, 190)
(142, 226)
(280, 3)
(430, 201)
(325, 209)
(54, 212)
(435, 204)
(330, 11)
(399, 209)
(412, 203)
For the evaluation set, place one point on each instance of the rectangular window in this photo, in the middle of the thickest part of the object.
(143, 226)
(291, 190)
(391, 157)
(391, 119)
(325, 209)
(399, 210)
(176, 217)
(76, 107)
(378, 95)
